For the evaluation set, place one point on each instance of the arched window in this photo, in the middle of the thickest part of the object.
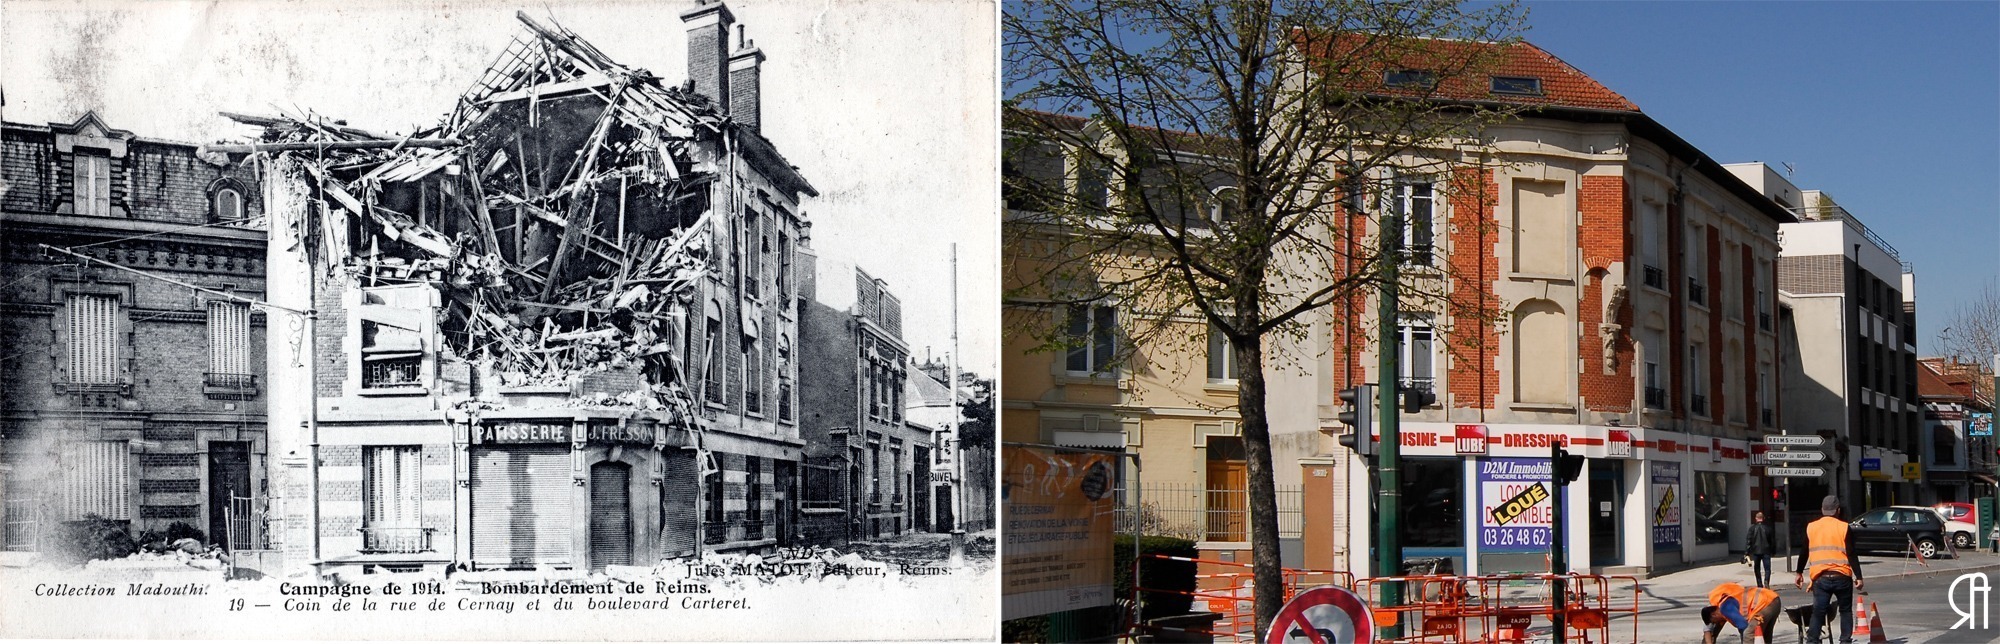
(1223, 206)
(226, 205)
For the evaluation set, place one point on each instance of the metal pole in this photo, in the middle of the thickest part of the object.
(957, 443)
(1558, 562)
(1389, 537)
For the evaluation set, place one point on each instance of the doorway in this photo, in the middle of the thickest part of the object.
(1607, 497)
(921, 484)
(228, 476)
(610, 515)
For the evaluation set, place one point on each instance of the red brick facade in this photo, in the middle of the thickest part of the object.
(1475, 380)
(1604, 235)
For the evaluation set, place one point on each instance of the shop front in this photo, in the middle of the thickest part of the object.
(1483, 497)
(564, 493)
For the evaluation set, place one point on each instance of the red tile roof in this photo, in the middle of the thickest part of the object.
(1563, 85)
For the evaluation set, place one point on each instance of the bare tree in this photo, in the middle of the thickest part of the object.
(1219, 163)
(1971, 335)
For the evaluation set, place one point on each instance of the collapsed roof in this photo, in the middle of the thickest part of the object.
(561, 210)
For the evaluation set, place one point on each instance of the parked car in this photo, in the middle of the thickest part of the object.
(1959, 522)
(1897, 528)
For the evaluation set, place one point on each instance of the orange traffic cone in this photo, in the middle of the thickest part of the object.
(1876, 634)
(1863, 626)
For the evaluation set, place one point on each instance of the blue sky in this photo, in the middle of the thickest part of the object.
(1891, 108)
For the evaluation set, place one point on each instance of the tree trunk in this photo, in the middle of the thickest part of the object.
(1266, 566)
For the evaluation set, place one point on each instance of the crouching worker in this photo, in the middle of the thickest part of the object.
(1735, 605)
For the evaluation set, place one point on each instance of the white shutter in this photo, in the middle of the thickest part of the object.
(93, 339)
(229, 337)
(95, 480)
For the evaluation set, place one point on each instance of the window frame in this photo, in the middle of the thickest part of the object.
(226, 195)
(90, 192)
(1403, 199)
(105, 366)
(1408, 330)
(1494, 84)
(1409, 79)
(408, 500)
(1098, 342)
(1230, 372)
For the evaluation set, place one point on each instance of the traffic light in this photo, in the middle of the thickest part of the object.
(1357, 414)
(1415, 399)
(1568, 466)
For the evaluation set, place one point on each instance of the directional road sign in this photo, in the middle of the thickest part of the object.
(1795, 472)
(1795, 457)
(1795, 441)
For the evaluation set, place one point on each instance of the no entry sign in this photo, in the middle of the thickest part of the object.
(1323, 615)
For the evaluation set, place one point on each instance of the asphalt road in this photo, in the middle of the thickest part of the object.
(1915, 609)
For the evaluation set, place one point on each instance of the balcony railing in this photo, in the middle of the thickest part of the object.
(1697, 293)
(753, 529)
(714, 532)
(391, 372)
(1655, 277)
(229, 380)
(1656, 398)
(229, 385)
(1698, 404)
(395, 539)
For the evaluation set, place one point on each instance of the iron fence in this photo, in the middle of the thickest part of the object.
(1197, 512)
(23, 529)
(248, 524)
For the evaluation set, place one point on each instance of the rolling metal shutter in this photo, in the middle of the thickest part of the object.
(521, 509)
(93, 339)
(610, 515)
(229, 338)
(96, 479)
(680, 488)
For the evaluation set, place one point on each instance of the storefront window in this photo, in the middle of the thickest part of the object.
(1432, 516)
(1711, 507)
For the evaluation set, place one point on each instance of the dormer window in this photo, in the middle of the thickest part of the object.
(92, 183)
(227, 205)
(1409, 79)
(1518, 85)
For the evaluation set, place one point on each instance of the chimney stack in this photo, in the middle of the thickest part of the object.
(745, 70)
(708, 50)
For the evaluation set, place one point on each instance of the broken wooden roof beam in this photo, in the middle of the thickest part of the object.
(288, 146)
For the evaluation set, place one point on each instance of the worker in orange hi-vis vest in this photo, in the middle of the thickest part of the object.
(1732, 604)
(1829, 562)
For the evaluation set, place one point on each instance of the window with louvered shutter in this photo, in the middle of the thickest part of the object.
(393, 485)
(95, 480)
(93, 339)
(229, 338)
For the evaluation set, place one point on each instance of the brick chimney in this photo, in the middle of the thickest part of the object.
(744, 87)
(708, 50)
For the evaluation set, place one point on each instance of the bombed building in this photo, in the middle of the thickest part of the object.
(552, 332)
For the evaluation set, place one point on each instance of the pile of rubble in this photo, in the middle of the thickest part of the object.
(557, 211)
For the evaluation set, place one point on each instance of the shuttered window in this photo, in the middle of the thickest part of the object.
(711, 367)
(753, 378)
(93, 339)
(93, 184)
(95, 480)
(229, 338)
(392, 488)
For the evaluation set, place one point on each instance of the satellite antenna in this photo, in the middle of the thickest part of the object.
(1789, 170)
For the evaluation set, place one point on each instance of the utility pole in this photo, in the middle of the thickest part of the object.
(1558, 546)
(1389, 536)
(957, 559)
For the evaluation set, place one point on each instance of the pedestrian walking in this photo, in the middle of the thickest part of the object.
(1835, 573)
(1759, 545)
(1732, 604)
